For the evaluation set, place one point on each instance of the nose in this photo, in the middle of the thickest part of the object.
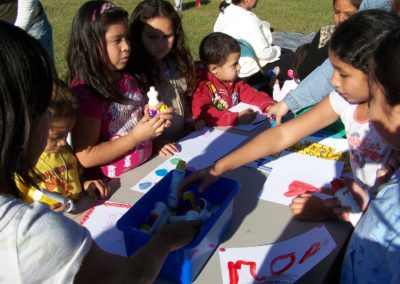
(335, 79)
(62, 142)
(342, 18)
(125, 46)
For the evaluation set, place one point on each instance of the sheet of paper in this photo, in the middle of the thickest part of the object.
(284, 262)
(101, 222)
(162, 170)
(291, 167)
(260, 118)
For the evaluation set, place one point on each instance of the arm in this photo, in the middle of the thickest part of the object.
(143, 267)
(25, 12)
(268, 142)
(251, 96)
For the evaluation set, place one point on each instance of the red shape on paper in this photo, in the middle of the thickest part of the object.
(292, 257)
(313, 249)
(233, 268)
(297, 187)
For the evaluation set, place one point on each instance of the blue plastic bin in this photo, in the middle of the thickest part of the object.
(183, 265)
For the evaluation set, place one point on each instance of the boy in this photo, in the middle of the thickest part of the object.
(219, 87)
(57, 167)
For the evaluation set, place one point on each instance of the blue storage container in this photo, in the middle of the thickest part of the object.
(183, 265)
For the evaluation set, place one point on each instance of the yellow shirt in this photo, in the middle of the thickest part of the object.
(58, 172)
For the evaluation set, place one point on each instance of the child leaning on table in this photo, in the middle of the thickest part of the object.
(57, 169)
(219, 87)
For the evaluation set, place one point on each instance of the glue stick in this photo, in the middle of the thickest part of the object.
(177, 176)
(157, 217)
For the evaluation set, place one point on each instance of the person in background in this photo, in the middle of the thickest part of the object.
(38, 245)
(220, 89)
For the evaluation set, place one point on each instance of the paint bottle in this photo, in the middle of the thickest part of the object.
(204, 208)
(177, 176)
(51, 198)
(346, 199)
(152, 94)
(157, 217)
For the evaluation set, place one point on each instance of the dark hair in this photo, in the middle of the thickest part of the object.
(87, 55)
(225, 4)
(355, 40)
(26, 83)
(355, 3)
(141, 63)
(395, 6)
(63, 102)
(216, 47)
(385, 67)
(299, 56)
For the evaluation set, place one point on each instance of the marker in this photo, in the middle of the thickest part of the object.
(272, 120)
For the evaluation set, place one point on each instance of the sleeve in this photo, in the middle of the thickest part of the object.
(51, 245)
(24, 13)
(251, 96)
(312, 89)
(202, 108)
(338, 103)
(375, 4)
(89, 104)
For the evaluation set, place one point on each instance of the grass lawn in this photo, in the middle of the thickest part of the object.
(284, 15)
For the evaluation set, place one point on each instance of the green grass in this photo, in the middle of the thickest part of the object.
(284, 15)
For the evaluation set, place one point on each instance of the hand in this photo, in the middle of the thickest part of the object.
(58, 207)
(207, 176)
(166, 114)
(279, 110)
(168, 150)
(92, 187)
(308, 207)
(179, 234)
(386, 171)
(246, 116)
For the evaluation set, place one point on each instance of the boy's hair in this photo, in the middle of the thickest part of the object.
(355, 40)
(141, 62)
(385, 67)
(355, 3)
(216, 47)
(26, 76)
(299, 55)
(87, 56)
(63, 102)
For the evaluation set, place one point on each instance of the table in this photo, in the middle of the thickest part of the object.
(254, 222)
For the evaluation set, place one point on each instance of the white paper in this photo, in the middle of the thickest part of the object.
(288, 168)
(284, 262)
(255, 123)
(101, 222)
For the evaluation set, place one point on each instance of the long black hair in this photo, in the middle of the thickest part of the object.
(26, 83)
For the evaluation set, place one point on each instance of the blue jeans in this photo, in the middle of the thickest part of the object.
(43, 32)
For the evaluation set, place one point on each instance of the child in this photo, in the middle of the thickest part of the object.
(220, 89)
(161, 58)
(351, 47)
(37, 245)
(373, 252)
(111, 134)
(278, 92)
(57, 167)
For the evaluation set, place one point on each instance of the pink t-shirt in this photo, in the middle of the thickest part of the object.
(117, 120)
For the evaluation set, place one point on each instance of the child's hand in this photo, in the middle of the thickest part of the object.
(279, 110)
(168, 150)
(58, 207)
(179, 234)
(96, 188)
(308, 207)
(246, 116)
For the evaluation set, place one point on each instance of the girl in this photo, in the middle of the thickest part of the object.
(111, 132)
(161, 58)
(33, 238)
(351, 47)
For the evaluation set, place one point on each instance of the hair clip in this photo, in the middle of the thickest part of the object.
(103, 8)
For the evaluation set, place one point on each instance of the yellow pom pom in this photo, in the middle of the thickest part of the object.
(163, 108)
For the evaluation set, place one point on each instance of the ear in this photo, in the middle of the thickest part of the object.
(213, 68)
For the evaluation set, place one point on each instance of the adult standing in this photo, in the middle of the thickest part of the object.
(237, 20)
(30, 16)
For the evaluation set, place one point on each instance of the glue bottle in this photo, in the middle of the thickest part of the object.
(152, 94)
(157, 217)
(177, 176)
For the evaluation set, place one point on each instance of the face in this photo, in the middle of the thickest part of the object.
(118, 47)
(158, 37)
(229, 70)
(38, 140)
(58, 132)
(342, 10)
(386, 119)
(350, 82)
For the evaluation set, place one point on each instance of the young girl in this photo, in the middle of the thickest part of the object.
(373, 252)
(161, 58)
(38, 245)
(111, 133)
(351, 47)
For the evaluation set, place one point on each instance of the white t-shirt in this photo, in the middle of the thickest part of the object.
(38, 245)
(279, 93)
(368, 151)
(242, 24)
